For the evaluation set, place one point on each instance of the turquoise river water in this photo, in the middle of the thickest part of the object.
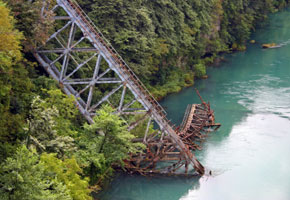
(250, 154)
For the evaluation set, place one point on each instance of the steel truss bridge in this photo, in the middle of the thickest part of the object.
(78, 49)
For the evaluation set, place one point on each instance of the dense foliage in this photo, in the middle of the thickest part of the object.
(23, 176)
(47, 151)
(15, 85)
(169, 42)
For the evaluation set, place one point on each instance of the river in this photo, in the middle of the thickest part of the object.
(250, 154)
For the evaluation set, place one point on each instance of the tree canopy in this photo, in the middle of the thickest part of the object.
(169, 42)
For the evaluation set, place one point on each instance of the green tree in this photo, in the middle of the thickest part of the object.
(23, 177)
(68, 173)
(45, 131)
(35, 28)
(67, 111)
(105, 143)
(199, 70)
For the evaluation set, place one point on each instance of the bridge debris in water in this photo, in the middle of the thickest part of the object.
(197, 123)
(162, 156)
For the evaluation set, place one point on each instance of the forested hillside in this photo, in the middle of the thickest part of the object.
(169, 42)
(47, 150)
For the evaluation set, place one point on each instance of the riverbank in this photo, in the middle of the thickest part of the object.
(169, 43)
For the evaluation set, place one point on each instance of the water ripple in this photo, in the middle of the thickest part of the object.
(262, 95)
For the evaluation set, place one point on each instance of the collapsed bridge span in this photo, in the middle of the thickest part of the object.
(86, 66)
(197, 123)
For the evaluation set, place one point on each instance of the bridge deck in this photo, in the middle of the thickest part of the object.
(197, 123)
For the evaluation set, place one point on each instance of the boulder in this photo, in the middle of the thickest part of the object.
(204, 77)
(270, 45)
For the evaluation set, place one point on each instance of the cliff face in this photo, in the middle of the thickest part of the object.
(169, 42)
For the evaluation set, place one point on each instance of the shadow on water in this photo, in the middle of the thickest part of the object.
(143, 188)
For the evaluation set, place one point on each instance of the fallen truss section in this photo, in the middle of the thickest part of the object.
(197, 123)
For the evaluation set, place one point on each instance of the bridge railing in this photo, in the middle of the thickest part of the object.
(118, 59)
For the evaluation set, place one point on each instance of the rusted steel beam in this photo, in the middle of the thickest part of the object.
(197, 123)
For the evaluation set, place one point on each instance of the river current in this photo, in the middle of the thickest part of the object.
(250, 154)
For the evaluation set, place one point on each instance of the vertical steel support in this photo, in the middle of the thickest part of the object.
(67, 54)
(42, 9)
(147, 129)
(122, 98)
(92, 84)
